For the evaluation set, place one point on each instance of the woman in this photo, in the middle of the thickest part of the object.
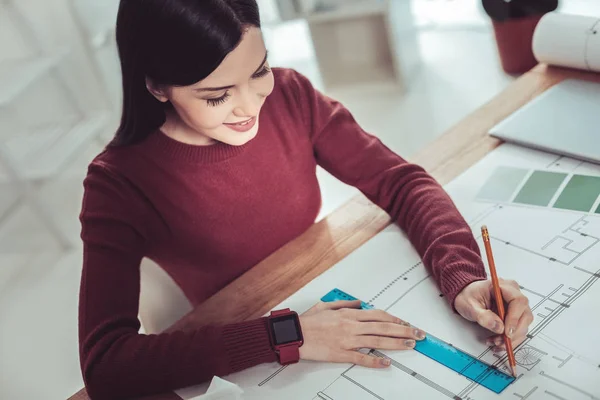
(211, 170)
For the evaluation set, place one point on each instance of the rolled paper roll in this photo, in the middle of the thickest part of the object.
(571, 41)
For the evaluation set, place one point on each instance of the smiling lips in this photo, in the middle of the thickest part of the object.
(243, 126)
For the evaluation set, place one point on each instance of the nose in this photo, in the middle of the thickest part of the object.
(248, 104)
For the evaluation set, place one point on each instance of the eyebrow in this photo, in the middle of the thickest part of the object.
(217, 89)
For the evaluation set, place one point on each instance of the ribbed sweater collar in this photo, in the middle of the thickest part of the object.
(160, 143)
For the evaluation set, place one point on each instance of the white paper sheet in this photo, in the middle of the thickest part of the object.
(561, 359)
(220, 389)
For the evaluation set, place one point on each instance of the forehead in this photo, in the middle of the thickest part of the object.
(241, 63)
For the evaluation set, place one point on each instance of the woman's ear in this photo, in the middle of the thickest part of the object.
(156, 91)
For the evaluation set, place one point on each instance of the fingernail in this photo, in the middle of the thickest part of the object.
(404, 323)
(410, 343)
(385, 361)
(419, 334)
(510, 332)
(496, 327)
(498, 341)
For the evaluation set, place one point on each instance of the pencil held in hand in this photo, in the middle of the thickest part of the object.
(498, 296)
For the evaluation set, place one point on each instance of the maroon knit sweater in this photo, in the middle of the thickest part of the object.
(206, 214)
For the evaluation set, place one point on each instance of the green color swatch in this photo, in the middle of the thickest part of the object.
(502, 184)
(580, 194)
(540, 188)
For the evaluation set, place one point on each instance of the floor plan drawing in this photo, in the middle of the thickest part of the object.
(552, 252)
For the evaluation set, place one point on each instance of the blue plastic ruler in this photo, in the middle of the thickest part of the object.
(444, 353)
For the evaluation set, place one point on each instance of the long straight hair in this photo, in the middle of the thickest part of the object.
(172, 42)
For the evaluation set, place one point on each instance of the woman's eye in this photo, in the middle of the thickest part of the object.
(218, 101)
(264, 71)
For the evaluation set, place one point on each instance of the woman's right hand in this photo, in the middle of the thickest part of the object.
(334, 332)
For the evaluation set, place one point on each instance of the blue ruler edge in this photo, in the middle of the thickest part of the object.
(444, 353)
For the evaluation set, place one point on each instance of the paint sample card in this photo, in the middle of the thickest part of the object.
(580, 194)
(502, 184)
(540, 188)
(575, 192)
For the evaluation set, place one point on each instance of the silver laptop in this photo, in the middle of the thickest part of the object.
(565, 120)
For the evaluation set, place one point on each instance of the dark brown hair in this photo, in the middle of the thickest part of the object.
(172, 42)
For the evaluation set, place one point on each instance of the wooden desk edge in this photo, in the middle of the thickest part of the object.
(347, 228)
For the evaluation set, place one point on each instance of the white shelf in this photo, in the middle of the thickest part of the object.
(44, 153)
(16, 75)
(97, 19)
(347, 10)
(356, 9)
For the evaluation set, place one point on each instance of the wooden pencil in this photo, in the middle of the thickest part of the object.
(498, 297)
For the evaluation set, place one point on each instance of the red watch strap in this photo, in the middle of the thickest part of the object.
(280, 312)
(289, 354)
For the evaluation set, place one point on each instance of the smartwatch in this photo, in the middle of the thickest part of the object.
(285, 335)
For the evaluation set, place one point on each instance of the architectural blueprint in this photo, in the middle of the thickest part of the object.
(553, 253)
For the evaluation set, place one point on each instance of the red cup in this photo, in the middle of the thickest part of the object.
(514, 38)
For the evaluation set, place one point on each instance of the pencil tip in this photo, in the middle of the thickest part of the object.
(514, 370)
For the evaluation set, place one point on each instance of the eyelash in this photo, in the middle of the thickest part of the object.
(223, 99)
(262, 72)
(218, 101)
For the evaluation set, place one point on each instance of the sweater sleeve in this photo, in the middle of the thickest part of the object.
(117, 361)
(413, 199)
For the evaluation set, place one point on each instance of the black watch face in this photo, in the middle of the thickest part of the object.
(285, 329)
(502, 10)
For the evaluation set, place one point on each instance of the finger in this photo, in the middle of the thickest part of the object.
(499, 349)
(498, 340)
(489, 320)
(374, 316)
(523, 325)
(518, 305)
(367, 360)
(510, 290)
(521, 333)
(518, 340)
(382, 343)
(388, 329)
(337, 305)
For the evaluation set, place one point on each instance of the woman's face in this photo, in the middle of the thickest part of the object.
(225, 105)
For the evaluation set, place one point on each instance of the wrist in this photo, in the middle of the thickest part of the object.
(461, 290)
(454, 281)
(285, 335)
(464, 289)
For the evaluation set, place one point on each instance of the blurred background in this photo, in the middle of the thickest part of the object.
(407, 69)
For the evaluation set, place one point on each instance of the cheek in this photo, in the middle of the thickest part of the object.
(210, 117)
(263, 87)
(267, 86)
(199, 115)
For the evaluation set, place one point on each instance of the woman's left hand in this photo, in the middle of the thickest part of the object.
(475, 303)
